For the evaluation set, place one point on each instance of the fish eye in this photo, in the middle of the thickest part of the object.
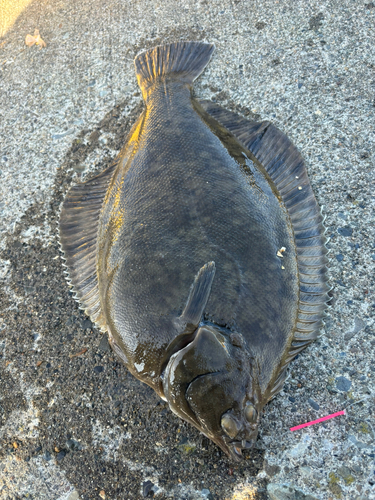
(250, 413)
(230, 425)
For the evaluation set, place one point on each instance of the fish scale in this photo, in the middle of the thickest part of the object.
(210, 241)
(201, 252)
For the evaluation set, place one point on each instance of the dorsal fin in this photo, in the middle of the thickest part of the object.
(285, 166)
(79, 221)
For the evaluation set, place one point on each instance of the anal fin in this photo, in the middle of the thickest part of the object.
(285, 166)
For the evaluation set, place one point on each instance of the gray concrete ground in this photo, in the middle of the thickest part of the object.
(73, 423)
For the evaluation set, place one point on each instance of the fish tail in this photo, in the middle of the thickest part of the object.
(183, 61)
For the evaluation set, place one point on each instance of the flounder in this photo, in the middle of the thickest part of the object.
(201, 252)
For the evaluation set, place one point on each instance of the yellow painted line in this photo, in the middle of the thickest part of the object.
(9, 12)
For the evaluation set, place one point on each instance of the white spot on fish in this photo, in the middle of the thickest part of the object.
(139, 367)
(280, 252)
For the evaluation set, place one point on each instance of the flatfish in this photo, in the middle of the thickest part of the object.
(200, 251)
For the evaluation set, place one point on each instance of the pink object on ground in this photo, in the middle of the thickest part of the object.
(333, 415)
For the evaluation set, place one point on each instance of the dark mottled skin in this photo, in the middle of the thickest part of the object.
(204, 261)
(180, 198)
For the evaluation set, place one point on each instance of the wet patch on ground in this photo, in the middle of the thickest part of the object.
(71, 405)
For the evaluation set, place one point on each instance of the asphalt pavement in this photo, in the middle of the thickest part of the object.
(74, 424)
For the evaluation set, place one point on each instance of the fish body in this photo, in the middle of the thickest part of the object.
(189, 257)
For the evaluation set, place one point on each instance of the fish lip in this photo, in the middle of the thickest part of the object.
(235, 451)
(235, 448)
(244, 444)
(248, 444)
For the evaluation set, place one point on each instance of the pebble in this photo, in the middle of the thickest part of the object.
(206, 494)
(73, 496)
(359, 325)
(358, 444)
(345, 231)
(61, 454)
(287, 492)
(98, 369)
(73, 445)
(104, 344)
(86, 323)
(307, 471)
(62, 134)
(147, 488)
(300, 449)
(271, 470)
(313, 404)
(343, 384)
(340, 257)
(346, 474)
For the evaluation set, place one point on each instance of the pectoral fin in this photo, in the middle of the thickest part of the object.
(187, 324)
(198, 296)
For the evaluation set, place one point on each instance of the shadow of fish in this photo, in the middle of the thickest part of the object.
(200, 251)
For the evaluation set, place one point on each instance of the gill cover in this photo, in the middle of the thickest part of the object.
(209, 384)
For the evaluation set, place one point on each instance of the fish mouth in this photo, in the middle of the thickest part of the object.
(235, 448)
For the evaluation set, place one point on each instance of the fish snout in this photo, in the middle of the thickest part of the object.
(240, 433)
(246, 438)
(244, 442)
(235, 448)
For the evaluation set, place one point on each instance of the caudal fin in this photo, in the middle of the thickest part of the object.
(183, 60)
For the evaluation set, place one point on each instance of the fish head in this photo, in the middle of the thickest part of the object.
(210, 383)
